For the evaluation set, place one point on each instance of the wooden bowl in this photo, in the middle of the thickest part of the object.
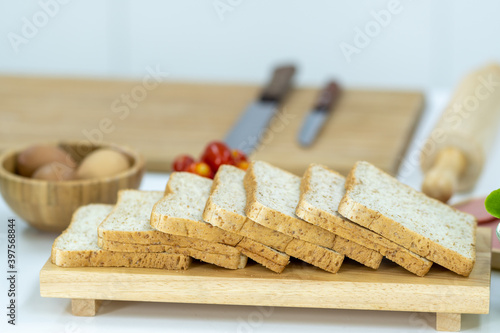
(48, 205)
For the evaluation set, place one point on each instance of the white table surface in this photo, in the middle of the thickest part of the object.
(37, 314)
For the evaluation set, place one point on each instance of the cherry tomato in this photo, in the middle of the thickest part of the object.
(238, 156)
(243, 165)
(181, 163)
(216, 154)
(201, 169)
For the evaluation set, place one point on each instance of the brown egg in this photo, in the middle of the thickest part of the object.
(102, 163)
(54, 171)
(34, 157)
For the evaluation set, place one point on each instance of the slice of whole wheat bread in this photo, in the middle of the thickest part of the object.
(77, 246)
(129, 220)
(321, 192)
(272, 198)
(180, 211)
(231, 216)
(129, 224)
(421, 224)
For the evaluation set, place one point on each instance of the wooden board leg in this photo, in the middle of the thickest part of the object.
(85, 307)
(449, 322)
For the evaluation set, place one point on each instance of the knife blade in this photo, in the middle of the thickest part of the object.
(317, 117)
(252, 124)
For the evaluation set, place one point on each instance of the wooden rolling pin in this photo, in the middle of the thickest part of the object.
(454, 154)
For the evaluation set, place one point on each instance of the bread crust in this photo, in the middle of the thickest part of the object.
(318, 256)
(233, 260)
(399, 255)
(273, 260)
(358, 253)
(270, 259)
(193, 229)
(103, 258)
(196, 244)
(264, 251)
(269, 264)
(401, 235)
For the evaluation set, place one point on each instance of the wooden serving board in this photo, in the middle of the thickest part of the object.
(181, 118)
(300, 285)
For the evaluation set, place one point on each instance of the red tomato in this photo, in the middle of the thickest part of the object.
(216, 154)
(191, 168)
(181, 163)
(243, 165)
(201, 169)
(238, 156)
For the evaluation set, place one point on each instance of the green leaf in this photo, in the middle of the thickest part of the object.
(492, 203)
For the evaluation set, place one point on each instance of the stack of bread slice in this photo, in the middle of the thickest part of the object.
(322, 190)
(225, 209)
(128, 229)
(373, 208)
(232, 207)
(409, 218)
(269, 215)
(180, 212)
(77, 246)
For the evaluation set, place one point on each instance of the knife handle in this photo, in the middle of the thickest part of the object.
(279, 85)
(327, 97)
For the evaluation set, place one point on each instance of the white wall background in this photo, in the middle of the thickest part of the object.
(427, 44)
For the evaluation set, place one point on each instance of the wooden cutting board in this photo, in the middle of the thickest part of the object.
(181, 118)
(389, 288)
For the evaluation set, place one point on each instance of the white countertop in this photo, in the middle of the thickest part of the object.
(37, 314)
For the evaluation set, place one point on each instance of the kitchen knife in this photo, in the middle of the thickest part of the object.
(316, 118)
(248, 130)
